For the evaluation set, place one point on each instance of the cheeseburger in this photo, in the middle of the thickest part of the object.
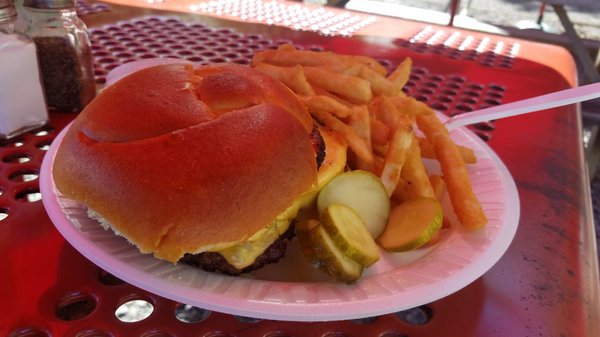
(205, 165)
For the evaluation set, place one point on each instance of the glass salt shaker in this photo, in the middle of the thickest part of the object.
(64, 53)
(22, 104)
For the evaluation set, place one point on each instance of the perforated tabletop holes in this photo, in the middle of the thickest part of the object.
(158, 37)
(19, 169)
(85, 8)
(154, 37)
(489, 51)
(288, 14)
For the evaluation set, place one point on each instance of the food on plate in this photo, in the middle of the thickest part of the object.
(418, 184)
(427, 151)
(204, 164)
(364, 193)
(438, 185)
(412, 224)
(465, 203)
(338, 243)
(389, 135)
(331, 258)
(401, 74)
(380, 123)
(348, 231)
(396, 154)
(302, 230)
(219, 165)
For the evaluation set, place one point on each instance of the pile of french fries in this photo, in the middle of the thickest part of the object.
(356, 97)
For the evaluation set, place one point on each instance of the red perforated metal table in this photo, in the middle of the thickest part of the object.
(546, 284)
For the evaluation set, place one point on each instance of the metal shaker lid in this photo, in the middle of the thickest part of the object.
(7, 10)
(49, 4)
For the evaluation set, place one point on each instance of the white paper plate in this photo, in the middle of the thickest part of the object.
(292, 290)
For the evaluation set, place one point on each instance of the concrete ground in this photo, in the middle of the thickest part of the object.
(520, 13)
(585, 17)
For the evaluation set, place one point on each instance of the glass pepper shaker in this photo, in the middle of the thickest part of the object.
(64, 53)
(22, 104)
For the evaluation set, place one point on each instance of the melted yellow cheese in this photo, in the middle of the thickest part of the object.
(245, 253)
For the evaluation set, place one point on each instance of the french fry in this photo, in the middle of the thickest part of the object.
(380, 150)
(286, 47)
(322, 92)
(439, 188)
(438, 185)
(276, 72)
(379, 84)
(399, 77)
(419, 108)
(428, 152)
(410, 105)
(416, 181)
(379, 163)
(287, 55)
(370, 63)
(360, 121)
(467, 154)
(431, 126)
(292, 77)
(299, 83)
(463, 199)
(380, 132)
(355, 143)
(465, 203)
(396, 155)
(374, 105)
(351, 88)
(387, 112)
(343, 66)
(326, 103)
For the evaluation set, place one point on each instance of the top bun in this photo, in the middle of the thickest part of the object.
(184, 160)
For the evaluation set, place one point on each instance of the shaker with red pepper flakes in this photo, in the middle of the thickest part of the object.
(64, 53)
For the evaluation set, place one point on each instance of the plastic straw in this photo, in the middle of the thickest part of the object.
(553, 100)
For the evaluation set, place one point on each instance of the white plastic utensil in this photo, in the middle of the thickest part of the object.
(553, 100)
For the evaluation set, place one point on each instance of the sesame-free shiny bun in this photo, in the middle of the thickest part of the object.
(182, 159)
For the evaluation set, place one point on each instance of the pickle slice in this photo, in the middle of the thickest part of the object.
(349, 233)
(364, 193)
(412, 224)
(338, 265)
